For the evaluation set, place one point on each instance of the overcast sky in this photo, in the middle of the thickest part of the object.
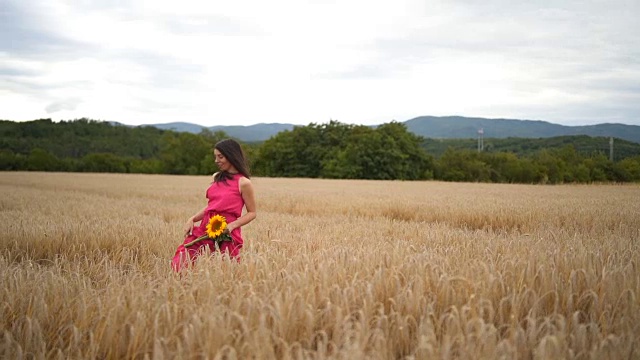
(302, 61)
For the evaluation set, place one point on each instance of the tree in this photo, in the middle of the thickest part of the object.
(627, 170)
(41, 160)
(11, 161)
(598, 166)
(186, 153)
(411, 161)
(554, 168)
(103, 162)
(336, 150)
(363, 157)
(463, 165)
(294, 153)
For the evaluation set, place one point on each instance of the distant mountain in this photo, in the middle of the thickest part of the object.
(450, 127)
(178, 126)
(445, 127)
(257, 132)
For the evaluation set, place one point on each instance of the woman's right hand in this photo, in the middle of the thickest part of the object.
(188, 228)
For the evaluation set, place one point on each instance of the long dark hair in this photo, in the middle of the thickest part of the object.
(232, 151)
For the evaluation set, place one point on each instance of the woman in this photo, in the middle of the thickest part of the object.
(230, 191)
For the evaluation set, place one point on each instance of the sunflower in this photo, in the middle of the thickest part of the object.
(216, 226)
(215, 231)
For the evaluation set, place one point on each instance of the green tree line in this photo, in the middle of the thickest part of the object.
(583, 144)
(332, 150)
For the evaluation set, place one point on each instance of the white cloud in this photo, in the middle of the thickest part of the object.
(244, 62)
(67, 104)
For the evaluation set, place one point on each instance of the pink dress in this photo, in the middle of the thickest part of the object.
(224, 199)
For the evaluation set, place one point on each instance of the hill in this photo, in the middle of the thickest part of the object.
(253, 133)
(583, 145)
(178, 126)
(445, 127)
(459, 127)
(250, 133)
(332, 150)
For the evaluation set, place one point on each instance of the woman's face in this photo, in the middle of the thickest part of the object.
(222, 162)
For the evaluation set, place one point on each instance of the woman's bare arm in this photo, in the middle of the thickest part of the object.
(246, 191)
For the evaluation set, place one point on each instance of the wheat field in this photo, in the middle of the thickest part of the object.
(331, 269)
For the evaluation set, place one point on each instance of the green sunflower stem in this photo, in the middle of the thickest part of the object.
(196, 240)
(218, 239)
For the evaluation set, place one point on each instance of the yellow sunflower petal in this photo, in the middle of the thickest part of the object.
(216, 226)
